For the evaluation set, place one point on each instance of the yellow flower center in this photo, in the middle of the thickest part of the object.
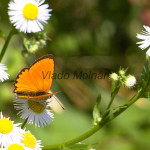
(6, 126)
(29, 140)
(15, 146)
(30, 11)
(37, 107)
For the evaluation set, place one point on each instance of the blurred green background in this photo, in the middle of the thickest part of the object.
(88, 35)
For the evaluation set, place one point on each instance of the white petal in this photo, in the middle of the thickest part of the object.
(148, 52)
(3, 75)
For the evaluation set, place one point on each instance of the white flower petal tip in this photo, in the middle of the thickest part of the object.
(145, 37)
(28, 16)
(3, 75)
(148, 52)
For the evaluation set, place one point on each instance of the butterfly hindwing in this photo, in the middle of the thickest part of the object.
(37, 78)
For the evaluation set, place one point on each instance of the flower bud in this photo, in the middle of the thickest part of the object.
(130, 81)
(98, 119)
(114, 77)
(122, 72)
(42, 42)
(95, 124)
(33, 48)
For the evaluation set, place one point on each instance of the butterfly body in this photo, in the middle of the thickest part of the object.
(34, 96)
(34, 83)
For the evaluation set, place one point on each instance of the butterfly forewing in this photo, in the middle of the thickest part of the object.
(37, 78)
(41, 73)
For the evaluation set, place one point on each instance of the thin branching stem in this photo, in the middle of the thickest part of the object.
(3, 51)
(97, 127)
(24, 123)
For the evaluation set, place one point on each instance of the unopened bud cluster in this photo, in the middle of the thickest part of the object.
(128, 81)
(31, 45)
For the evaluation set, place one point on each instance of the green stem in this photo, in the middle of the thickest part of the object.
(24, 123)
(76, 140)
(97, 127)
(112, 99)
(12, 32)
(124, 107)
(114, 91)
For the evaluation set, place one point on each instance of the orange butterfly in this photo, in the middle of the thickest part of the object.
(34, 83)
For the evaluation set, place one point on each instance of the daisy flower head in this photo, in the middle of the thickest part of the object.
(9, 132)
(28, 15)
(145, 37)
(30, 142)
(3, 74)
(34, 111)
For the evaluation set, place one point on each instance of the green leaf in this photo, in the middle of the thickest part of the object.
(2, 35)
(78, 147)
(145, 74)
(96, 110)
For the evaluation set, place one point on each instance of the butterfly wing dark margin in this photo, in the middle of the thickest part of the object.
(36, 78)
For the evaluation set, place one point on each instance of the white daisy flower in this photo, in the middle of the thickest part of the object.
(145, 37)
(27, 142)
(28, 15)
(30, 142)
(3, 74)
(34, 111)
(9, 132)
